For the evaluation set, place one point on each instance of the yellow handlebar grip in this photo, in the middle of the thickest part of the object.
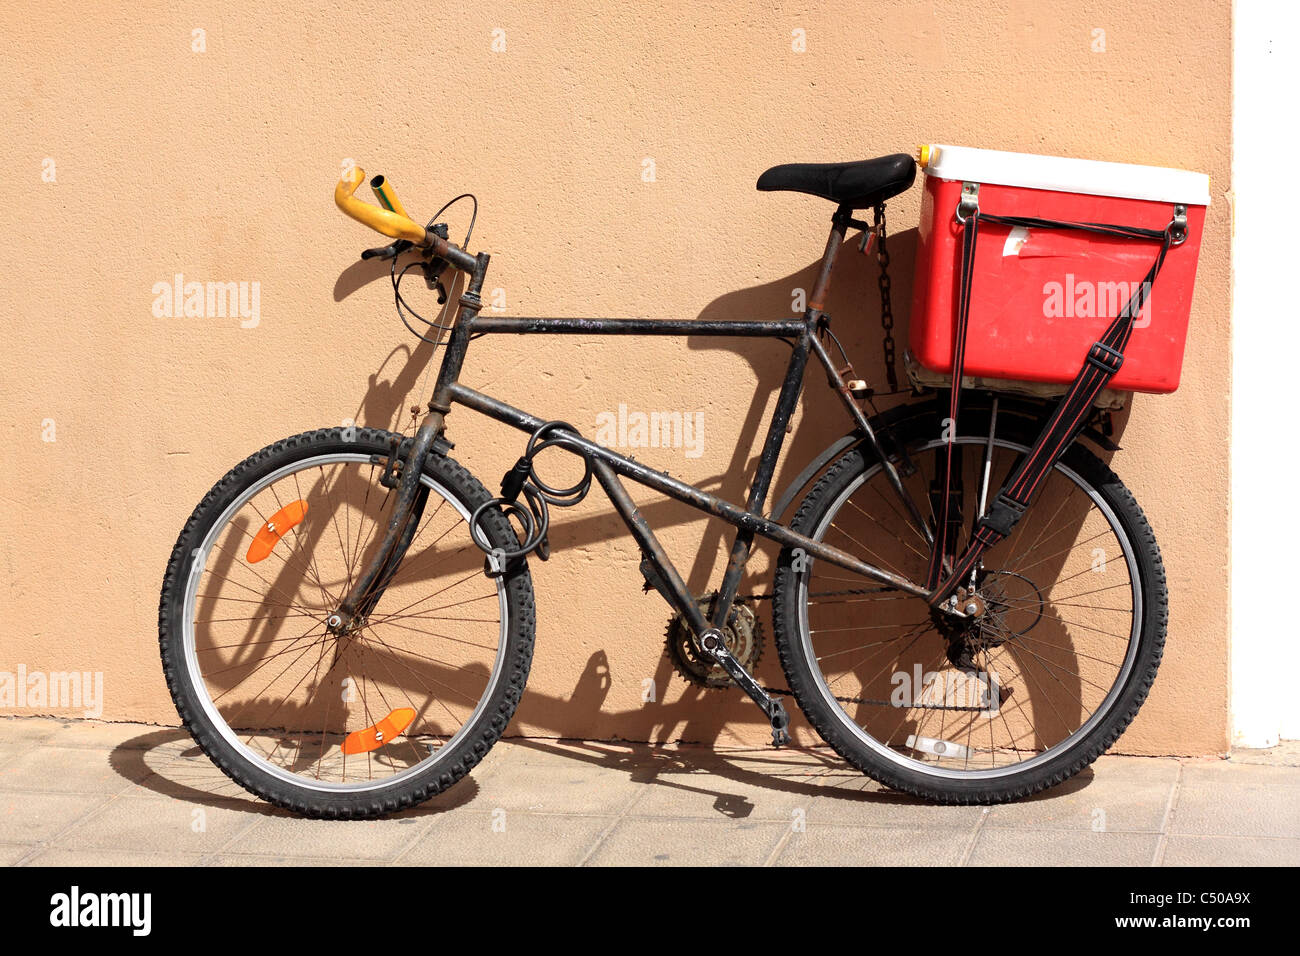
(387, 198)
(392, 224)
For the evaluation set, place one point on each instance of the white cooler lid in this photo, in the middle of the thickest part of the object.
(1060, 174)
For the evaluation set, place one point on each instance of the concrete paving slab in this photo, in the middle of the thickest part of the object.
(11, 853)
(832, 845)
(248, 860)
(507, 838)
(32, 817)
(110, 858)
(1184, 850)
(96, 735)
(156, 825)
(644, 841)
(15, 731)
(1115, 794)
(1285, 754)
(1223, 798)
(56, 769)
(866, 803)
(844, 796)
(1040, 847)
(281, 834)
(559, 778)
(730, 786)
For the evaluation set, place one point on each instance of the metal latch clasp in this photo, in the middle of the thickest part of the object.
(969, 203)
(1177, 228)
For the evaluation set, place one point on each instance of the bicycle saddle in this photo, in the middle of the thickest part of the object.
(858, 185)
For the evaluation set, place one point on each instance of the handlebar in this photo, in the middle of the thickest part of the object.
(393, 221)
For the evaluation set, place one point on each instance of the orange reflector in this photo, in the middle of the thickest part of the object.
(372, 738)
(275, 528)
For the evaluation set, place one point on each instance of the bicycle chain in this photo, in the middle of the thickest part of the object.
(787, 692)
(886, 302)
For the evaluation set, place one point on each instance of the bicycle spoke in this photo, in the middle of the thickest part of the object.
(1044, 681)
(432, 651)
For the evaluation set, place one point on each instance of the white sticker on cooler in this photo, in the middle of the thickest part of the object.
(1016, 240)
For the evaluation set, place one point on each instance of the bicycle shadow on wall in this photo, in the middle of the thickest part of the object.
(385, 402)
(1052, 669)
(854, 305)
(697, 715)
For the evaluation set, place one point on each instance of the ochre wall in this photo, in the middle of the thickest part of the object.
(219, 165)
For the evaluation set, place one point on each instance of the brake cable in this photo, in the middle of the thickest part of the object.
(431, 274)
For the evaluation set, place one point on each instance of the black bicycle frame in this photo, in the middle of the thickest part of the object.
(608, 466)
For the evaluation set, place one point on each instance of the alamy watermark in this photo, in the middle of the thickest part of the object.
(1085, 299)
(76, 908)
(635, 429)
(210, 300)
(44, 691)
(955, 689)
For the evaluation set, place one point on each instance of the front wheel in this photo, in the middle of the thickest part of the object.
(1029, 695)
(334, 722)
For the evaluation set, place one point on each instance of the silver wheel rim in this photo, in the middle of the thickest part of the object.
(199, 561)
(1010, 770)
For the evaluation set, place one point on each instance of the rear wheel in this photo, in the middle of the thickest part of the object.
(1048, 678)
(378, 717)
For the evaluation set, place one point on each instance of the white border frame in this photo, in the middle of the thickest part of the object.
(1265, 337)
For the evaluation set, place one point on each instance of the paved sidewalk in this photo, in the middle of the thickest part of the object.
(84, 793)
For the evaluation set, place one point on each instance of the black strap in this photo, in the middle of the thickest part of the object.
(1101, 228)
(1104, 359)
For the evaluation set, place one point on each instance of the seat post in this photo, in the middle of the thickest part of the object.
(839, 226)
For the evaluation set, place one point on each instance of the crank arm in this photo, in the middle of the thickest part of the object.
(714, 645)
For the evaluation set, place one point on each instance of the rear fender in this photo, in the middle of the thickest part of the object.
(1028, 411)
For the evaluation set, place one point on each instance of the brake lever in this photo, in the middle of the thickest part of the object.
(388, 252)
(436, 266)
(433, 270)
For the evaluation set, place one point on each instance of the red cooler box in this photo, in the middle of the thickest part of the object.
(1041, 297)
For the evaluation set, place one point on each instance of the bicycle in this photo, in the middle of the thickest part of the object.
(357, 593)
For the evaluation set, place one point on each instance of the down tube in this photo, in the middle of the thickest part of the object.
(688, 494)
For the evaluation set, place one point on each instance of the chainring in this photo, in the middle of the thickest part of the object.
(743, 635)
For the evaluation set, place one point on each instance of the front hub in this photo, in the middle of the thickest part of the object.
(342, 624)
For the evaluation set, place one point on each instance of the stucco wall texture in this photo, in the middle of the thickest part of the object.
(141, 149)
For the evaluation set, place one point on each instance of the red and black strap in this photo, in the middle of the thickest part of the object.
(938, 553)
(1103, 360)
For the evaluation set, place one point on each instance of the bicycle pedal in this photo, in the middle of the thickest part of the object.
(780, 723)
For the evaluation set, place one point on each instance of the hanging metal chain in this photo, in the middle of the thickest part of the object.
(886, 304)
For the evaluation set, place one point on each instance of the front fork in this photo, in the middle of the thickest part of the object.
(411, 493)
(402, 525)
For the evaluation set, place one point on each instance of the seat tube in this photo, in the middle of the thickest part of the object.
(776, 431)
(785, 405)
(822, 287)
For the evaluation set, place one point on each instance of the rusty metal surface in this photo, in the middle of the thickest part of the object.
(687, 494)
(749, 328)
